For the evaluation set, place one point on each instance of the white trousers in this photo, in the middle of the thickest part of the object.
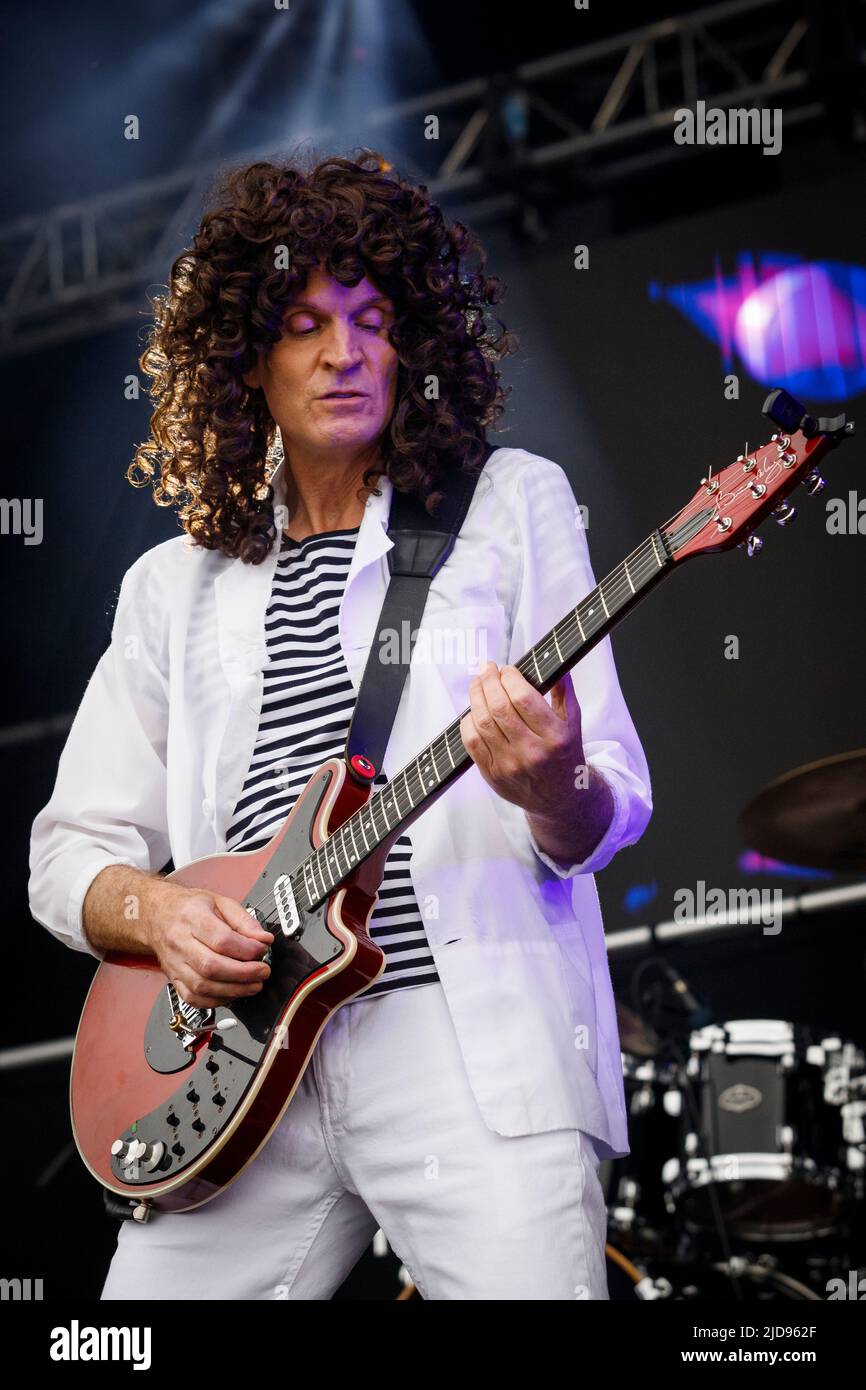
(384, 1131)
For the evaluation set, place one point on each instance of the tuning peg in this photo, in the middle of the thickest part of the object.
(752, 544)
(814, 483)
(784, 513)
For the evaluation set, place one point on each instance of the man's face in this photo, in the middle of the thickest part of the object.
(334, 340)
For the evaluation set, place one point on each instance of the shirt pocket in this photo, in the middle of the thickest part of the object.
(456, 643)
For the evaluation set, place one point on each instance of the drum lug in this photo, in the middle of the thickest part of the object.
(672, 1102)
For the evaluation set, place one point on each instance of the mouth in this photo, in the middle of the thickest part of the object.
(343, 396)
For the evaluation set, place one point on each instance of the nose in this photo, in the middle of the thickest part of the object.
(340, 351)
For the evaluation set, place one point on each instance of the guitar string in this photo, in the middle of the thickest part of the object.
(565, 628)
(642, 550)
(673, 540)
(411, 773)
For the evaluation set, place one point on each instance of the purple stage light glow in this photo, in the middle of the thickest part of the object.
(792, 323)
(751, 862)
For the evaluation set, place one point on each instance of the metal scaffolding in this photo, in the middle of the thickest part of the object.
(592, 114)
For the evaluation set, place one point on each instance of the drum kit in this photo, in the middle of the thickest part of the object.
(746, 1174)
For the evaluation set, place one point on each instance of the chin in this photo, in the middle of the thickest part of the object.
(344, 433)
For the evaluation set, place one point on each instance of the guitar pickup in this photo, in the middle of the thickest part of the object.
(290, 921)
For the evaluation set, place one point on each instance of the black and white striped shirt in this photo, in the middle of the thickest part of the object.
(307, 704)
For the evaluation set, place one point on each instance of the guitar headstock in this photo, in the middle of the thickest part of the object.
(729, 505)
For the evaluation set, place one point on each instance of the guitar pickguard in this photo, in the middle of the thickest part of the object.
(218, 1067)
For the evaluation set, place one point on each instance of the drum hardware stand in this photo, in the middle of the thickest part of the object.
(674, 1022)
(765, 1269)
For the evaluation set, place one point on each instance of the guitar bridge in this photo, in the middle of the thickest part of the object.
(187, 1021)
(190, 1023)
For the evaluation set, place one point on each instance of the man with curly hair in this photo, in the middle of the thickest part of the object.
(463, 1102)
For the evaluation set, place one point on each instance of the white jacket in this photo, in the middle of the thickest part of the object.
(162, 741)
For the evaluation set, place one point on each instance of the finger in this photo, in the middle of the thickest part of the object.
(498, 712)
(470, 733)
(565, 703)
(207, 996)
(559, 702)
(563, 692)
(529, 704)
(471, 740)
(223, 940)
(486, 729)
(241, 920)
(212, 967)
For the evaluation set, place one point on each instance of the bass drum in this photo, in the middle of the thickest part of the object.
(767, 1125)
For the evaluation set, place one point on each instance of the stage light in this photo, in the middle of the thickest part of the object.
(789, 322)
(751, 862)
(639, 895)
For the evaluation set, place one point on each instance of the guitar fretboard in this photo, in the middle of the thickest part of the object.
(445, 758)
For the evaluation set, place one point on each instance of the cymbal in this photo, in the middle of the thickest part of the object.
(635, 1036)
(814, 816)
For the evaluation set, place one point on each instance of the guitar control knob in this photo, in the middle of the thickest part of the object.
(815, 483)
(128, 1153)
(153, 1155)
(752, 544)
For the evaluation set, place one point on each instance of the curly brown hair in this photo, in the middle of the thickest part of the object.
(210, 433)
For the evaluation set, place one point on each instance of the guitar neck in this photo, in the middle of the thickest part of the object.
(393, 807)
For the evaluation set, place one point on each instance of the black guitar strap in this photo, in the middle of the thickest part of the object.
(422, 544)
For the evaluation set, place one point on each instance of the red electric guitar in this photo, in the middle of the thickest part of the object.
(171, 1102)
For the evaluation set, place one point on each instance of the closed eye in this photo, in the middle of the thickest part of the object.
(304, 332)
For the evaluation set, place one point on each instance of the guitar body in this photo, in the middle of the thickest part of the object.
(213, 1103)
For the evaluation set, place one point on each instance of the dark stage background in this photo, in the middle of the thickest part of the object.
(627, 396)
